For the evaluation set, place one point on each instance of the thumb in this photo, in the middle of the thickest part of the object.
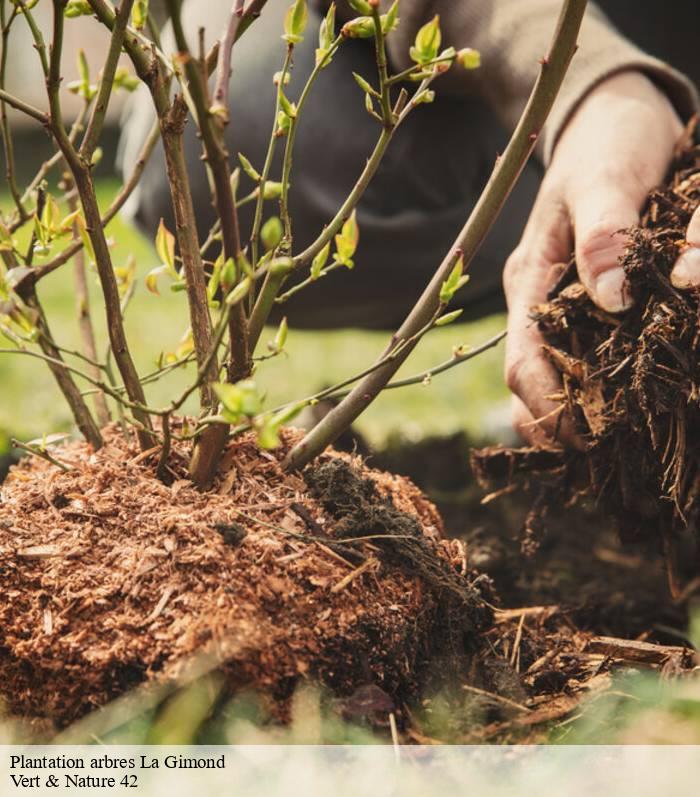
(600, 218)
(686, 272)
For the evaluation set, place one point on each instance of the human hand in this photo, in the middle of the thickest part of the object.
(616, 147)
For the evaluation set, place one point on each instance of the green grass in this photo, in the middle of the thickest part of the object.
(465, 397)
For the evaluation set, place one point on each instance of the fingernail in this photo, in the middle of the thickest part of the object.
(611, 291)
(686, 272)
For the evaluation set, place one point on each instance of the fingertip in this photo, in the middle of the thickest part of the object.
(601, 241)
(686, 272)
(611, 291)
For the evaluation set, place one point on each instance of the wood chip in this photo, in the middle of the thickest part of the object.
(39, 552)
(629, 650)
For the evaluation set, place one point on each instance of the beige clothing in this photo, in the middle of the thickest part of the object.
(512, 35)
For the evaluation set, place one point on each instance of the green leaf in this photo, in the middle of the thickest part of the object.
(281, 337)
(85, 238)
(428, 42)
(126, 275)
(151, 279)
(346, 242)
(268, 430)
(244, 265)
(186, 345)
(239, 292)
(448, 318)
(239, 400)
(75, 8)
(271, 233)
(390, 20)
(248, 168)
(425, 96)
(469, 58)
(358, 28)
(283, 124)
(289, 414)
(139, 14)
(454, 282)
(272, 190)
(295, 22)
(320, 261)
(66, 224)
(165, 247)
(268, 436)
(229, 274)
(83, 68)
(361, 6)
(82, 87)
(51, 216)
(289, 108)
(235, 180)
(215, 278)
(123, 79)
(369, 105)
(326, 36)
(364, 85)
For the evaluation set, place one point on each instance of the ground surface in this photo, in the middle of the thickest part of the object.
(591, 643)
(568, 622)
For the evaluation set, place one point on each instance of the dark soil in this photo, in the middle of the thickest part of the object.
(631, 384)
(111, 579)
(581, 609)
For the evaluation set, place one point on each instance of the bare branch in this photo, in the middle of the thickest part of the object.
(99, 109)
(503, 178)
(24, 107)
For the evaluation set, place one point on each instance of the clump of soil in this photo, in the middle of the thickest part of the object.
(631, 384)
(112, 578)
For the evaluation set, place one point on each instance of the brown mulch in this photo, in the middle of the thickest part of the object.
(111, 578)
(631, 384)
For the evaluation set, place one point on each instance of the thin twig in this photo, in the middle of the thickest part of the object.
(24, 107)
(93, 223)
(99, 109)
(87, 331)
(42, 453)
(117, 203)
(4, 122)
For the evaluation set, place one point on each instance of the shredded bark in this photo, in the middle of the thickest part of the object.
(112, 578)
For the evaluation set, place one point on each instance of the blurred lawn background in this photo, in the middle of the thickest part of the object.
(470, 397)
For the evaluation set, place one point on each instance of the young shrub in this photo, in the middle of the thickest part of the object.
(230, 295)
